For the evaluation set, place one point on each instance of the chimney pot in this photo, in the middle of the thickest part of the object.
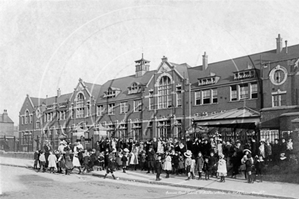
(58, 92)
(278, 44)
(286, 47)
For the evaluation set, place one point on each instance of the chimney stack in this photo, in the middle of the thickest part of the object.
(164, 59)
(5, 116)
(58, 92)
(278, 44)
(286, 47)
(204, 61)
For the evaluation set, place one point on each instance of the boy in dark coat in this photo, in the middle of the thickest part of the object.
(124, 161)
(212, 163)
(206, 169)
(259, 165)
(110, 166)
(36, 159)
(151, 159)
(158, 168)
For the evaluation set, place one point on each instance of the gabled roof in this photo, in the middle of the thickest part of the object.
(37, 101)
(8, 120)
(225, 68)
(94, 89)
(182, 69)
(122, 84)
(60, 99)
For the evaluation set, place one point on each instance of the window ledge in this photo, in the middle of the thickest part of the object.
(241, 100)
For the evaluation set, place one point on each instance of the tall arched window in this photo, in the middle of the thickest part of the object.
(80, 106)
(26, 117)
(164, 92)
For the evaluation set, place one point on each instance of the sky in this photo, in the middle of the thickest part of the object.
(46, 45)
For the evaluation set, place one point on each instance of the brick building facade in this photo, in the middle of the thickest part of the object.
(251, 96)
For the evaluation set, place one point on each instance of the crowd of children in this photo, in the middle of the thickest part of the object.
(206, 158)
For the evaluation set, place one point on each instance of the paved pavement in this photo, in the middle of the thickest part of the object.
(238, 186)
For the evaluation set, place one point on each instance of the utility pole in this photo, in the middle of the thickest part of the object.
(183, 109)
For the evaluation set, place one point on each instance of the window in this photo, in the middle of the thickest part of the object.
(151, 101)
(244, 91)
(37, 124)
(164, 92)
(123, 107)
(80, 106)
(214, 96)
(253, 90)
(30, 119)
(111, 108)
(233, 93)
(88, 111)
(197, 97)
(206, 97)
(72, 113)
(100, 110)
(26, 117)
(278, 100)
(178, 98)
(137, 104)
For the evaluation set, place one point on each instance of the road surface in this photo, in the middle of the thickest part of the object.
(27, 184)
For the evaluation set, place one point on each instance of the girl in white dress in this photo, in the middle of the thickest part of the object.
(76, 163)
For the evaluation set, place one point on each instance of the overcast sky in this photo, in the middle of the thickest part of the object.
(45, 45)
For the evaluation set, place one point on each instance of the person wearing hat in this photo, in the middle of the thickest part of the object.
(249, 167)
(168, 164)
(236, 158)
(222, 170)
(243, 161)
(188, 163)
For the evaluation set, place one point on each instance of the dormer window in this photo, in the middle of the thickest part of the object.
(134, 88)
(111, 92)
(208, 80)
(244, 74)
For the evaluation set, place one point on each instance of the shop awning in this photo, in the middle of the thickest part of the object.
(242, 115)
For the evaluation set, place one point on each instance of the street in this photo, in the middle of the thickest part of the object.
(25, 183)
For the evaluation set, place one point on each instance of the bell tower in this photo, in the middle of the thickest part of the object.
(141, 66)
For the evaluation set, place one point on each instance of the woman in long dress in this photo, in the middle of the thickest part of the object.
(76, 163)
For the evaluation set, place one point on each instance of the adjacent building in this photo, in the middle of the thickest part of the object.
(254, 96)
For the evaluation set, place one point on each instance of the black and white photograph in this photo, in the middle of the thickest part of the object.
(149, 99)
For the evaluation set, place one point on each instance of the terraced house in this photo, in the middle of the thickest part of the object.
(250, 96)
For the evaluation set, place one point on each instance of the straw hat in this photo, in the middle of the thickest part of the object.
(246, 150)
(126, 150)
(188, 154)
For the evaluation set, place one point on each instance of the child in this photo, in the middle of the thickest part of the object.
(68, 163)
(259, 164)
(249, 167)
(175, 163)
(101, 160)
(213, 164)
(36, 159)
(110, 166)
(222, 170)
(158, 168)
(193, 166)
(143, 160)
(168, 164)
(124, 160)
(180, 165)
(188, 163)
(200, 163)
(52, 162)
(42, 159)
(86, 160)
(206, 169)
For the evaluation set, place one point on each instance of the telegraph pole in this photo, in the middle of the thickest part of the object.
(183, 109)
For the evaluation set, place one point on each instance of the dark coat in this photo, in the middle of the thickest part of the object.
(206, 167)
(158, 167)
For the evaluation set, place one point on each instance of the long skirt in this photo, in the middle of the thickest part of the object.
(76, 162)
